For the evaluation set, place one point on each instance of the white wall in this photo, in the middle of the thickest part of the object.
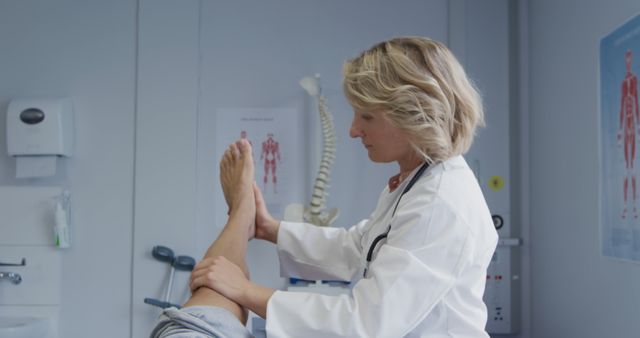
(86, 51)
(165, 191)
(575, 291)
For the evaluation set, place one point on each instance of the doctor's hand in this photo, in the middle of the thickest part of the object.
(266, 226)
(221, 275)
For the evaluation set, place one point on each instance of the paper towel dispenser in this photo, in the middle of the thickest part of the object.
(40, 127)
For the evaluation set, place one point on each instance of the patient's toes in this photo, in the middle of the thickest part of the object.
(246, 158)
(244, 148)
(235, 152)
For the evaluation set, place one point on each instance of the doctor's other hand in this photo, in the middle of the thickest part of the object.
(266, 226)
(221, 275)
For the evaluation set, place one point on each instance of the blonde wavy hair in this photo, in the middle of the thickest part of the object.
(420, 87)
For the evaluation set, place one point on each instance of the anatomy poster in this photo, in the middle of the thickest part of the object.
(620, 142)
(278, 151)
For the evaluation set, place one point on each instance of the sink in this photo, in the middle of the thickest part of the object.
(23, 327)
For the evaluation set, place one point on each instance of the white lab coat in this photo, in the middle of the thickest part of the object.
(426, 280)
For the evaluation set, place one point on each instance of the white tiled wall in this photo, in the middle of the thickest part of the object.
(27, 221)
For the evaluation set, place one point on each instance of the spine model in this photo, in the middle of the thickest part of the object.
(317, 213)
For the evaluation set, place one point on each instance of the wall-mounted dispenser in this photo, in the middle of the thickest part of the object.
(38, 132)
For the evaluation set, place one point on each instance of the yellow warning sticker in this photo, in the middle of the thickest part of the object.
(496, 183)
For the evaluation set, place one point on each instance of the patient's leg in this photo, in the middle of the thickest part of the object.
(236, 175)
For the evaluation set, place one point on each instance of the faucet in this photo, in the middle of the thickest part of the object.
(11, 276)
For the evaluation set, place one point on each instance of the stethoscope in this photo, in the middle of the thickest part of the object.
(380, 237)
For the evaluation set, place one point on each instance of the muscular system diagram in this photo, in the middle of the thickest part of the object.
(270, 153)
(629, 122)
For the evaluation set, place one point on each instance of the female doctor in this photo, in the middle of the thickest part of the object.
(420, 259)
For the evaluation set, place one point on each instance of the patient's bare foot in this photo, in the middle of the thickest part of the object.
(237, 177)
(227, 172)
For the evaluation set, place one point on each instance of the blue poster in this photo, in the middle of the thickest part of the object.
(620, 142)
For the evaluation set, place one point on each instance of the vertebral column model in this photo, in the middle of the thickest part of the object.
(629, 119)
(316, 212)
(270, 153)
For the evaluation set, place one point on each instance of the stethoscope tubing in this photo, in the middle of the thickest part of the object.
(384, 235)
